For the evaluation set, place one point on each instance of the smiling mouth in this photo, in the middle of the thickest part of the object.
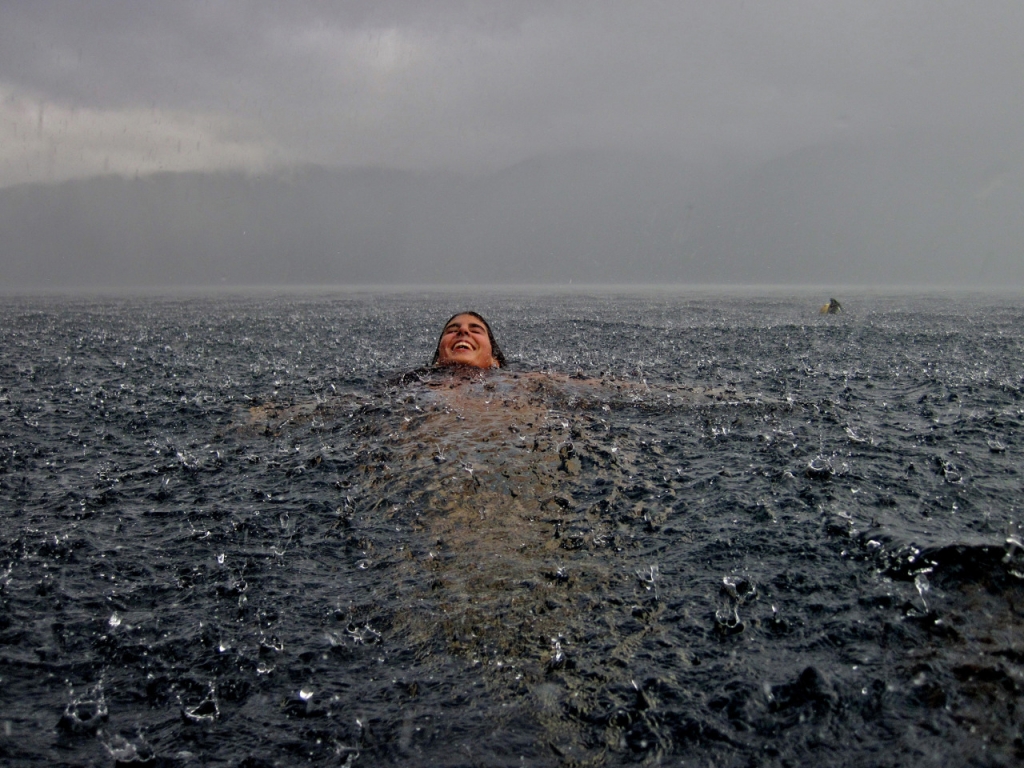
(462, 345)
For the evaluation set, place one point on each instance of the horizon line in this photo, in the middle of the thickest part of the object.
(748, 289)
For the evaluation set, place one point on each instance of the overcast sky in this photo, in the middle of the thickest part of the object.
(126, 87)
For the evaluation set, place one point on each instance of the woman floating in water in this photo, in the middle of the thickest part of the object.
(467, 346)
(467, 340)
(506, 513)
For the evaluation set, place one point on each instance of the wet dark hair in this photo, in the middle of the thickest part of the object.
(496, 353)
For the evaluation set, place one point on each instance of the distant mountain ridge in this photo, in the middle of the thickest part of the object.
(902, 212)
(869, 214)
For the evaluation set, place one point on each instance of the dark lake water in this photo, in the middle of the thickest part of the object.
(694, 529)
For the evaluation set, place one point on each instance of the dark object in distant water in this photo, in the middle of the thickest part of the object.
(832, 308)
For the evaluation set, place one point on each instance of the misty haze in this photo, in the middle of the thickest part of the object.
(867, 144)
(872, 214)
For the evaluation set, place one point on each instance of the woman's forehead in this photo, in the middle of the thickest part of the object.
(463, 318)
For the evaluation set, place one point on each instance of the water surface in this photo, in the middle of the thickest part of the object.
(725, 530)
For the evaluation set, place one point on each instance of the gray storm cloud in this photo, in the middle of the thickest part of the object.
(471, 86)
(472, 89)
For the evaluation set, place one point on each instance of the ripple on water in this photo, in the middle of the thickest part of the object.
(748, 534)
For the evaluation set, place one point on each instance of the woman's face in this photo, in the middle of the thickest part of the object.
(465, 342)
